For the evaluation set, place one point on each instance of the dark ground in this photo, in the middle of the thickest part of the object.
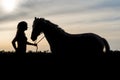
(41, 58)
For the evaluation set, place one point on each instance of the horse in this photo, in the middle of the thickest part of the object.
(63, 43)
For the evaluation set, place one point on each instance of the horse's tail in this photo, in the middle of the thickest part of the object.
(106, 46)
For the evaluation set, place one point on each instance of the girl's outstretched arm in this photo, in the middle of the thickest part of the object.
(31, 44)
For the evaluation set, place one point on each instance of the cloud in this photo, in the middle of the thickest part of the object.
(25, 9)
(110, 4)
(96, 9)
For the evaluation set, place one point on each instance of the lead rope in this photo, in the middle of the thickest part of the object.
(38, 42)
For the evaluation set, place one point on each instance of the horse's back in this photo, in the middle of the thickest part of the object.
(86, 44)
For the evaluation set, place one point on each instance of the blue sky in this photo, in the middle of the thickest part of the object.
(74, 16)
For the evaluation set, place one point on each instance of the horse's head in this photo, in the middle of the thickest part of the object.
(37, 27)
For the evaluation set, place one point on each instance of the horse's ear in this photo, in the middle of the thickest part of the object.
(35, 18)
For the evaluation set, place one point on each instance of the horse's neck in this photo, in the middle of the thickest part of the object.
(53, 35)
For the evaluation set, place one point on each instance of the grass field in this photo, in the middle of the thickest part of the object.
(41, 58)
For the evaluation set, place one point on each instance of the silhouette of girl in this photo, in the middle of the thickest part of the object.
(21, 39)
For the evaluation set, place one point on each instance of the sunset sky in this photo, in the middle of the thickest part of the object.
(74, 16)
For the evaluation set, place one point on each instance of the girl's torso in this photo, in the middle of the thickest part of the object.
(21, 41)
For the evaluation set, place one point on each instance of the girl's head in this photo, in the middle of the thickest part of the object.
(22, 25)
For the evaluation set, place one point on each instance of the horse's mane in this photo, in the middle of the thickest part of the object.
(55, 26)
